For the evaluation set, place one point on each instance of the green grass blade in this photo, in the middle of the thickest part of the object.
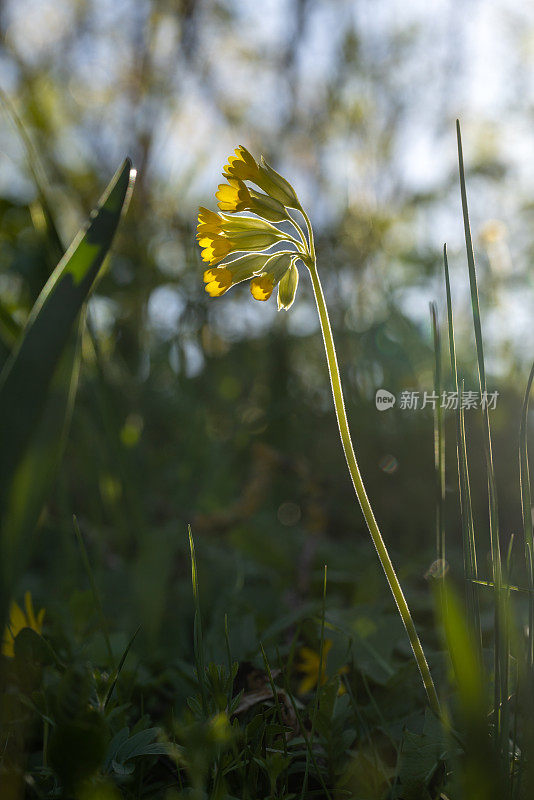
(439, 443)
(494, 520)
(319, 683)
(39, 177)
(466, 510)
(492, 492)
(118, 671)
(307, 738)
(526, 508)
(276, 699)
(480, 768)
(29, 374)
(94, 589)
(198, 643)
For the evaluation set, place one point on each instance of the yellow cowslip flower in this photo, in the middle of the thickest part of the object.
(233, 196)
(215, 248)
(274, 270)
(310, 666)
(221, 235)
(209, 222)
(19, 619)
(243, 166)
(219, 279)
(236, 196)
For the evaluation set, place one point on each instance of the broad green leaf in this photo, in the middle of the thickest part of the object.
(422, 760)
(43, 363)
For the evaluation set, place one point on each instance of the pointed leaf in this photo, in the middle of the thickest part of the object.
(32, 370)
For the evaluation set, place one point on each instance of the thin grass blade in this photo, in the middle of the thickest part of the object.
(500, 691)
(526, 508)
(198, 643)
(439, 443)
(466, 510)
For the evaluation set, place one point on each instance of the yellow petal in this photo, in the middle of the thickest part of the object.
(210, 275)
(227, 192)
(309, 657)
(205, 216)
(208, 222)
(208, 255)
(30, 616)
(222, 276)
(214, 289)
(262, 287)
(307, 684)
(206, 241)
(208, 230)
(233, 196)
(214, 249)
(17, 619)
(242, 165)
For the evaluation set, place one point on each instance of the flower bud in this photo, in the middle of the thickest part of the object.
(287, 287)
(279, 188)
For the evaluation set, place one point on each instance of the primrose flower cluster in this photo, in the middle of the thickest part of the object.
(240, 248)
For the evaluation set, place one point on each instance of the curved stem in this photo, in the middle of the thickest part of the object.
(359, 487)
(311, 241)
(298, 229)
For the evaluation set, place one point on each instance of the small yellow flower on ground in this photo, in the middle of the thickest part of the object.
(19, 619)
(310, 666)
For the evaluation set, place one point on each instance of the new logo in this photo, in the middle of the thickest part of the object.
(384, 399)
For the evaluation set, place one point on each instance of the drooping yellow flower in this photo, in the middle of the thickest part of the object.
(274, 270)
(310, 666)
(209, 223)
(233, 196)
(262, 287)
(215, 248)
(236, 196)
(19, 619)
(244, 167)
(219, 279)
(219, 235)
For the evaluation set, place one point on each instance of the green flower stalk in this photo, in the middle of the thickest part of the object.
(223, 239)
